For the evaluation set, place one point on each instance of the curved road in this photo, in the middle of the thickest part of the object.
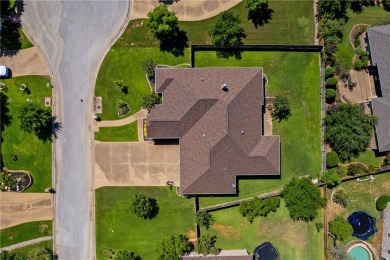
(74, 37)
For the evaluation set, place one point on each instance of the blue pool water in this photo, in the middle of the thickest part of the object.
(358, 253)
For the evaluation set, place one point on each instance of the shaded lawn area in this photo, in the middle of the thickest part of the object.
(362, 195)
(292, 23)
(126, 133)
(34, 154)
(368, 158)
(126, 64)
(297, 75)
(293, 239)
(27, 249)
(25, 232)
(370, 15)
(119, 229)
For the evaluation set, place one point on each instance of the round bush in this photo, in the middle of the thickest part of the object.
(329, 72)
(382, 201)
(331, 82)
(330, 95)
(332, 160)
(358, 65)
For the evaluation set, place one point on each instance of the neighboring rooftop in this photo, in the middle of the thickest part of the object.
(216, 113)
(386, 233)
(379, 46)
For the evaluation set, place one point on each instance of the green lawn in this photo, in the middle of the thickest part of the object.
(26, 249)
(297, 75)
(292, 23)
(126, 133)
(126, 64)
(24, 232)
(370, 15)
(24, 40)
(34, 154)
(117, 228)
(293, 239)
(368, 158)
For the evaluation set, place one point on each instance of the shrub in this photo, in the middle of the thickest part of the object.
(258, 207)
(204, 219)
(358, 51)
(340, 228)
(381, 202)
(387, 160)
(332, 160)
(340, 197)
(359, 64)
(330, 95)
(331, 82)
(329, 72)
(356, 169)
(331, 178)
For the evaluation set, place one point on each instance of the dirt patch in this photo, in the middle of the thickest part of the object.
(296, 236)
(225, 231)
(333, 210)
(191, 234)
(386, 185)
(377, 240)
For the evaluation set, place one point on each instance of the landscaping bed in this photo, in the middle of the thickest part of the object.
(15, 180)
(34, 155)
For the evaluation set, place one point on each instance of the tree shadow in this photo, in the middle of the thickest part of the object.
(175, 44)
(155, 208)
(6, 117)
(229, 54)
(49, 132)
(261, 16)
(125, 89)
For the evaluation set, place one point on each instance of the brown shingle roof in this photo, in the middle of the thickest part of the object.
(220, 131)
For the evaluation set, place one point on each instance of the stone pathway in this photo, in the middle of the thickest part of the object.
(26, 243)
(17, 208)
(25, 62)
(186, 10)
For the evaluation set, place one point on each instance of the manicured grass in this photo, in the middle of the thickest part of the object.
(34, 154)
(292, 23)
(27, 249)
(293, 239)
(297, 75)
(126, 133)
(117, 228)
(24, 232)
(24, 40)
(126, 64)
(368, 158)
(370, 15)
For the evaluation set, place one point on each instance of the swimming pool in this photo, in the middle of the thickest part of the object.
(358, 253)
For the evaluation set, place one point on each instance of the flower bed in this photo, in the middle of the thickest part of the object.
(123, 108)
(16, 181)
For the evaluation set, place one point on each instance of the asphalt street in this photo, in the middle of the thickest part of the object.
(74, 36)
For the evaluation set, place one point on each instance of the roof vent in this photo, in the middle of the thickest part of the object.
(203, 135)
(234, 185)
(224, 87)
(242, 132)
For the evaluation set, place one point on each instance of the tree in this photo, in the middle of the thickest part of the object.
(258, 207)
(149, 67)
(204, 219)
(331, 178)
(205, 245)
(333, 9)
(386, 4)
(164, 26)
(34, 119)
(149, 101)
(303, 199)
(341, 197)
(126, 255)
(227, 32)
(340, 229)
(281, 108)
(330, 30)
(332, 160)
(172, 247)
(259, 12)
(144, 207)
(348, 130)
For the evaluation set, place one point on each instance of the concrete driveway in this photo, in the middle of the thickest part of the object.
(74, 36)
(136, 164)
(18, 208)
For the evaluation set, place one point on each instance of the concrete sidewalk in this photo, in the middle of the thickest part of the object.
(26, 243)
(17, 208)
(186, 10)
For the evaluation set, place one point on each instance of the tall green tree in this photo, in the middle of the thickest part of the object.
(340, 229)
(204, 219)
(150, 100)
(333, 9)
(164, 25)
(330, 30)
(205, 245)
(258, 207)
(259, 12)
(303, 199)
(227, 32)
(348, 130)
(172, 247)
(34, 119)
(144, 207)
(281, 108)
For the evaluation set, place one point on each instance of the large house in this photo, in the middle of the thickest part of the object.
(217, 116)
(379, 48)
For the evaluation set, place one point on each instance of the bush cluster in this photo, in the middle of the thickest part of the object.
(332, 160)
(331, 83)
(331, 178)
(258, 207)
(330, 95)
(381, 202)
(357, 169)
(329, 72)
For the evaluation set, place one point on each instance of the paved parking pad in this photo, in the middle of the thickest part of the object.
(135, 164)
